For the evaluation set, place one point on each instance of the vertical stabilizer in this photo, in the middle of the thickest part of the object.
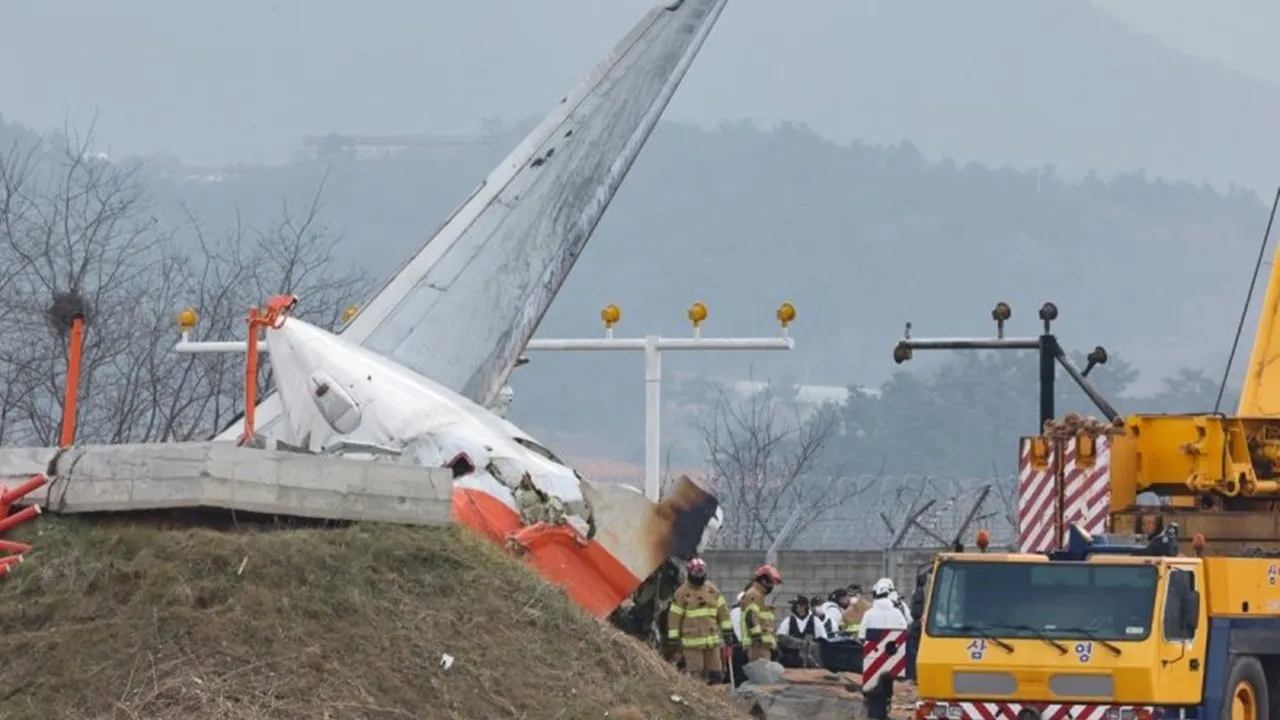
(461, 310)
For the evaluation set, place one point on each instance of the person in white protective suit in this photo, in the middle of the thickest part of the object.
(832, 613)
(883, 615)
(735, 616)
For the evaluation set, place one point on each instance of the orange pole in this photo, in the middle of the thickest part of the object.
(14, 547)
(74, 352)
(8, 497)
(250, 376)
(16, 519)
(8, 522)
(9, 562)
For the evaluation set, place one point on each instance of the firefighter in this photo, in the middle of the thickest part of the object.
(758, 615)
(853, 612)
(698, 623)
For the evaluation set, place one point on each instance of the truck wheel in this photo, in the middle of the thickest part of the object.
(1246, 697)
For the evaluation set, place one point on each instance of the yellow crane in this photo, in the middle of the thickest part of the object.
(1216, 475)
(1078, 627)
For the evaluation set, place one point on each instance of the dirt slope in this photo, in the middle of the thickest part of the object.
(128, 621)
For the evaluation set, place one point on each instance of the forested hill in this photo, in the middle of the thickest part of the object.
(861, 238)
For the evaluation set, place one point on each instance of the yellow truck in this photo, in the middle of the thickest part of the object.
(1185, 622)
(1098, 631)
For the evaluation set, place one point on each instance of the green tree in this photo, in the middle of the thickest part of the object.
(965, 418)
(1190, 391)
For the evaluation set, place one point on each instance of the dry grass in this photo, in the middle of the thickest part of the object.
(130, 621)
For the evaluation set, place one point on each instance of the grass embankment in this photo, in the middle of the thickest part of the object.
(132, 621)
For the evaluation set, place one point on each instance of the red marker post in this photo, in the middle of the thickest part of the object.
(11, 553)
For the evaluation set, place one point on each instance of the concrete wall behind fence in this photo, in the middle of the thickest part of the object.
(817, 572)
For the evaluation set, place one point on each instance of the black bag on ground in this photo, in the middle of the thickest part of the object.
(841, 655)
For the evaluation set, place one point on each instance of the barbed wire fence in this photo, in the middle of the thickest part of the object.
(909, 511)
(889, 529)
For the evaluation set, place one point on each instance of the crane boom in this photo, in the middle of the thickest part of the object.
(1260, 396)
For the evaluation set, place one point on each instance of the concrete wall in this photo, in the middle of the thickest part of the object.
(816, 572)
(112, 478)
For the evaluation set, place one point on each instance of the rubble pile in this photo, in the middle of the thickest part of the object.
(1073, 424)
(772, 693)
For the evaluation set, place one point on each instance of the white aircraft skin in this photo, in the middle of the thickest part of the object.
(462, 309)
(340, 397)
(345, 400)
(486, 278)
(381, 403)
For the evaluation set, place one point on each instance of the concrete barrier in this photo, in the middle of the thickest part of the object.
(106, 478)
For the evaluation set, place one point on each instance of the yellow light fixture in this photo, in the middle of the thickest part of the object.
(610, 316)
(697, 314)
(187, 320)
(786, 314)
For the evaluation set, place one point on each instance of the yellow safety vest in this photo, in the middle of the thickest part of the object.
(698, 616)
(757, 618)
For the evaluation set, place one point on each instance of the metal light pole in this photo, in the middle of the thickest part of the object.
(651, 345)
(1046, 344)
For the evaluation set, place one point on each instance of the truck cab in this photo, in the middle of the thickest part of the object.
(1100, 632)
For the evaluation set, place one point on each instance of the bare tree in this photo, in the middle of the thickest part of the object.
(76, 227)
(767, 463)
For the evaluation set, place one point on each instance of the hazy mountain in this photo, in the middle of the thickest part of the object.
(1056, 81)
(860, 238)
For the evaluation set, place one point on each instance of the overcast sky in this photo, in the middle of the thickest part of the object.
(1237, 33)
(243, 80)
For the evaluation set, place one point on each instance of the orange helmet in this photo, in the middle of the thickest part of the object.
(697, 567)
(770, 573)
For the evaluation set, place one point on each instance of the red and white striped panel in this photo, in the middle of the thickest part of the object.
(1037, 501)
(884, 654)
(1086, 489)
(926, 709)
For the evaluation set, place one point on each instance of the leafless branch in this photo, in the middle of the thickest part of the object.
(765, 462)
(72, 221)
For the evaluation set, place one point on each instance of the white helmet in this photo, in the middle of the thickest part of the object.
(882, 588)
